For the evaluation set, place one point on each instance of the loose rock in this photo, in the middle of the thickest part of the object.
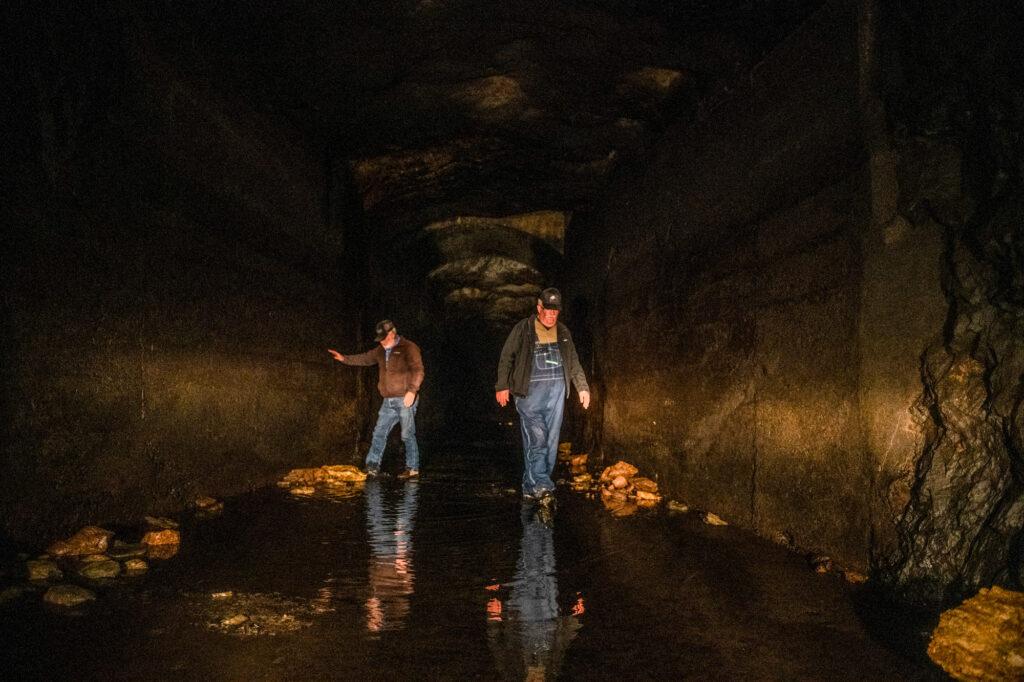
(678, 507)
(135, 566)
(854, 577)
(342, 472)
(303, 490)
(89, 540)
(68, 595)
(161, 537)
(99, 570)
(620, 482)
(620, 468)
(714, 519)
(579, 460)
(983, 638)
(43, 569)
(161, 523)
(208, 506)
(821, 563)
(645, 484)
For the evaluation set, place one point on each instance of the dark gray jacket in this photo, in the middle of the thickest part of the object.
(516, 362)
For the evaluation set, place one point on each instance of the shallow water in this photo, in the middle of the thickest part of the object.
(453, 576)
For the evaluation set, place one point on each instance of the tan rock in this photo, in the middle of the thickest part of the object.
(161, 523)
(235, 620)
(161, 551)
(98, 570)
(205, 502)
(167, 536)
(714, 519)
(678, 507)
(983, 638)
(584, 479)
(89, 540)
(579, 460)
(854, 577)
(135, 566)
(565, 452)
(645, 484)
(303, 477)
(93, 558)
(303, 490)
(620, 482)
(821, 563)
(43, 569)
(645, 498)
(68, 595)
(620, 468)
(341, 472)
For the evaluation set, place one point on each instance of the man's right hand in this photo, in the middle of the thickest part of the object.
(337, 356)
(502, 397)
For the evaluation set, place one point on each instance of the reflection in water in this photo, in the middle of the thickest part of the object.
(390, 572)
(526, 632)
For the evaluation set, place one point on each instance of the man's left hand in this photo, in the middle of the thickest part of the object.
(585, 399)
(409, 399)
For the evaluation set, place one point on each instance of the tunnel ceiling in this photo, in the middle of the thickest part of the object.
(476, 116)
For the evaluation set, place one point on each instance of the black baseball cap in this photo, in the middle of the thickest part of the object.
(384, 327)
(551, 299)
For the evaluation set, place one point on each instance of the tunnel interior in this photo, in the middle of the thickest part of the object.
(788, 234)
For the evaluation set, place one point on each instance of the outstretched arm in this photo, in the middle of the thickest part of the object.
(359, 359)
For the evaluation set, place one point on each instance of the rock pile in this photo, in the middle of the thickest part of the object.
(333, 479)
(93, 556)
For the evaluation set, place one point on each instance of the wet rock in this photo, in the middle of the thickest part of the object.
(303, 491)
(620, 468)
(208, 506)
(252, 614)
(983, 638)
(135, 566)
(645, 484)
(89, 540)
(234, 621)
(620, 482)
(337, 473)
(582, 481)
(854, 577)
(122, 550)
(68, 595)
(168, 536)
(646, 499)
(161, 551)
(579, 460)
(565, 452)
(301, 477)
(714, 520)
(227, 594)
(821, 563)
(161, 523)
(42, 570)
(678, 507)
(100, 569)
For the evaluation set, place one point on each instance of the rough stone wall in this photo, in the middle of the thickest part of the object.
(171, 275)
(807, 307)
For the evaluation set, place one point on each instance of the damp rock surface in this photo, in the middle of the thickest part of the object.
(982, 638)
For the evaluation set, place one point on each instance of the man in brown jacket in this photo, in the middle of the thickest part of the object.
(400, 373)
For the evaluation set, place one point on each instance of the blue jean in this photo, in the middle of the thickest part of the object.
(540, 421)
(393, 411)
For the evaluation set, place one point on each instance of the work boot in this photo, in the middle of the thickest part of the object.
(547, 500)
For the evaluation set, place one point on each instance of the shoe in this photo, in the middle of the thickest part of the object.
(372, 473)
(547, 499)
(409, 473)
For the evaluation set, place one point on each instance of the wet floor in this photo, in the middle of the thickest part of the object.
(454, 577)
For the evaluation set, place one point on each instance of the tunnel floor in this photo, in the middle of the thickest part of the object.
(454, 577)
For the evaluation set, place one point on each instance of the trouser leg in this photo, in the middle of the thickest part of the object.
(539, 411)
(407, 416)
(387, 417)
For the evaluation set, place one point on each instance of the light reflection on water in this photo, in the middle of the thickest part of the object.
(389, 523)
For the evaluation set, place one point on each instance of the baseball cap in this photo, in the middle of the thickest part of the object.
(384, 327)
(551, 299)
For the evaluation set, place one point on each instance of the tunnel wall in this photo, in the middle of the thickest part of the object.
(760, 324)
(173, 271)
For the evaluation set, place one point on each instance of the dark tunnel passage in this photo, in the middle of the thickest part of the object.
(788, 235)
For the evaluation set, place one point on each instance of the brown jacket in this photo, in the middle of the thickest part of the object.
(399, 374)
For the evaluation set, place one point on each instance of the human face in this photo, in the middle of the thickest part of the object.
(548, 318)
(389, 340)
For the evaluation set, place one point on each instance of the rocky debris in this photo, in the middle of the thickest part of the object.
(565, 452)
(168, 536)
(89, 540)
(161, 523)
(854, 577)
(677, 507)
(68, 595)
(43, 570)
(99, 568)
(982, 638)
(334, 480)
(620, 468)
(820, 563)
(579, 460)
(713, 519)
(252, 614)
(135, 566)
(782, 537)
(208, 506)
